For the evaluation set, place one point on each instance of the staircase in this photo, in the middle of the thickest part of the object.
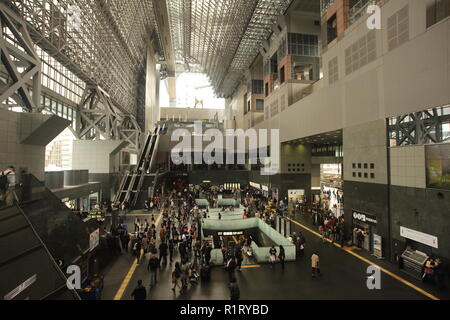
(39, 238)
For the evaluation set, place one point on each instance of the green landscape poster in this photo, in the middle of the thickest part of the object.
(438, 166)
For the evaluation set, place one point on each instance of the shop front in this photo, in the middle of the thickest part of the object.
(263, 189)
(365, 232)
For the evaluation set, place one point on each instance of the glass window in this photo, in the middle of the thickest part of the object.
(54, 107)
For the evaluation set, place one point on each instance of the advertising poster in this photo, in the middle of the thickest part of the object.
(378, 246)
(94, 239)
(438, 166)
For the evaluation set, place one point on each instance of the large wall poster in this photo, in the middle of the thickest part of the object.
(438, 166)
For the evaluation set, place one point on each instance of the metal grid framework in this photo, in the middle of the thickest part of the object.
(223, 36)
(22, 65)
(429, 126)
(108, 47)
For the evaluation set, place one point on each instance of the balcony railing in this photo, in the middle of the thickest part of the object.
(325, 5)
(359, 10)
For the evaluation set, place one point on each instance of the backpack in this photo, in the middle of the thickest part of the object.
(4, 181)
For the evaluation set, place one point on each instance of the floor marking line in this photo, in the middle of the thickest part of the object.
(393, 275)
(129, 276)
(251, 266)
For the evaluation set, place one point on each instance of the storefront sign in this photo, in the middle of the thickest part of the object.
(296, 193)
(235, 233)
(364, 217)
(255, 185)
(265, 188)
(421, 237)
(378, 246)
(94, 239)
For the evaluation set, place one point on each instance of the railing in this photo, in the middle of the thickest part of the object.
(359, 10)
(325, 5)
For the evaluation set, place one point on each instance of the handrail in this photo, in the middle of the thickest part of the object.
(151, 151)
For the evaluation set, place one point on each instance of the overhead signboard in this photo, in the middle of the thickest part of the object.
(420, 237)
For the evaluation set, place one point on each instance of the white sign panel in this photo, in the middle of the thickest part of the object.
(94, 239)
(296, 193)
(255, 185)
(418, 236)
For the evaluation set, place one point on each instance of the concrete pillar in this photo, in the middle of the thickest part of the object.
(366, 187)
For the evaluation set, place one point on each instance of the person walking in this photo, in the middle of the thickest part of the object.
(153, 265)
(282, 257)
(273, 256)
(342, 236)
(176, 275)
(315, 260)
(171, 250)
(139, 293)
(239, 257)
(163, 252)
(137, 251)
(230, 268)
(137, 224)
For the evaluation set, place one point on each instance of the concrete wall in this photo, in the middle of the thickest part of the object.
(424, 210)
(366, 145)
(408, 166)
(413, 77)
(295, 159)
(95, 156)
(23, 138)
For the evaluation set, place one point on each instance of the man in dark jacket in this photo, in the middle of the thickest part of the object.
(153, 265)
(139, 293)
(163, 252)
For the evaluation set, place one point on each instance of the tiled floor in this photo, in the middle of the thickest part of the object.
(344, 278)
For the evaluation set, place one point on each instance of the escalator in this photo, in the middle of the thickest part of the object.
(135, 185)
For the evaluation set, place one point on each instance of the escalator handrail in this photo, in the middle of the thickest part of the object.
(151, 150)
